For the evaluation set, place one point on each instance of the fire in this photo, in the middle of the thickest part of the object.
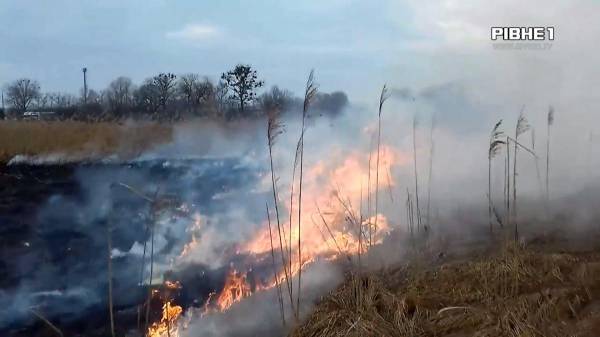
(235, 289)
(167, 326)
(172, 284)
(337, 221)
(194, 229)
(330, 227)
(329, 195)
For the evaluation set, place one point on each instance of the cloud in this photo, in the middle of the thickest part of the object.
(194, 32)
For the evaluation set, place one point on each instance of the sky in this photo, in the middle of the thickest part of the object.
(353, 45)
(345, 41)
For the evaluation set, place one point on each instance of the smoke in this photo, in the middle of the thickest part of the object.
(259, 314)
(220, 172)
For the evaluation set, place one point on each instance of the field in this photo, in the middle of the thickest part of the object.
(544, 288)
(78, 140)
(460, 277)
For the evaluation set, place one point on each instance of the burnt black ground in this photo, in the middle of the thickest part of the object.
(53, 239)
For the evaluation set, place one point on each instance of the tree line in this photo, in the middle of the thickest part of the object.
(165, 97)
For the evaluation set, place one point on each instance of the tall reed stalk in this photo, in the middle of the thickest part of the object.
(410, 215)
(153, 203)
(590, 148)
(430, 178)
(149, 298)
(504, 191)
(309, 95)
(521, 127)
(382, 98)
(110, 285)
(369, 195)
(142, 270)
(274, 129)
(291, 215)
(496, 142)
(418, 210)
(508, 181)
(550, 122)
(537, 163)
(47, 322)
(277, 285)
(360, 229)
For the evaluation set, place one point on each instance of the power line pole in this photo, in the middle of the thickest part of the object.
(84, 85)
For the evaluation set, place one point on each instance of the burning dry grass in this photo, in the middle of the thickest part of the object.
(78, 139)
(518, 292)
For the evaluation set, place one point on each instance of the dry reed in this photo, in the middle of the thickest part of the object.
(78, 140)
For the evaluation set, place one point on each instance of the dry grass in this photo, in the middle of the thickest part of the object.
(78, 139)
(515, 293)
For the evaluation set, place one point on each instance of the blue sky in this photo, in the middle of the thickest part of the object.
(351, 44)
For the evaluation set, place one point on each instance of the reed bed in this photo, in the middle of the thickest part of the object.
(78, 139)
(516, 292)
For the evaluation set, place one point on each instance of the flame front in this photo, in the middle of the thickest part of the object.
(335, 222)
(330, 224)
(167, 326)
(333, 199)
(236, 288)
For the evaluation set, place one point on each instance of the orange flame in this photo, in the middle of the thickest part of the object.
(326, 233)
(235, 289)
(334, 220)
(329, 195)
(167, 326)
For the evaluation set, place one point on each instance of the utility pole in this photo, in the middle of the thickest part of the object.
(84, 85)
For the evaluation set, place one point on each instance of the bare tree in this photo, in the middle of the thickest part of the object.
(243, 82)
(147, 97)
(22, 93)
(94, 97)
(194, 90)
(60, 100)
(42, 101)
(165, 86)
(275, 99)
(221, 98)
(119, 96)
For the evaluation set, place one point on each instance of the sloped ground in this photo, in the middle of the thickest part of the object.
(516, 291)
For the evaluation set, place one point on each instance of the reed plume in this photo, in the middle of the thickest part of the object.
(496, 143)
